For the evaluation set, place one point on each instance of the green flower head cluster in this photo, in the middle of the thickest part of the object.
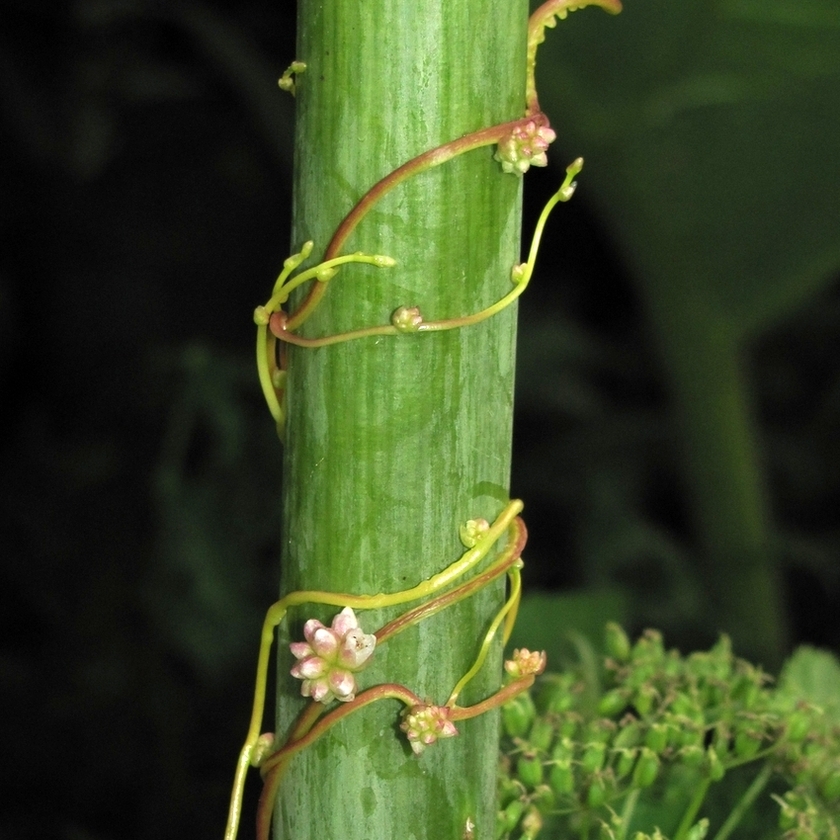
(579, 754)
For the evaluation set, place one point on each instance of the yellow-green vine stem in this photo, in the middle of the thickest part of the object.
(520, 277)
(425, 589)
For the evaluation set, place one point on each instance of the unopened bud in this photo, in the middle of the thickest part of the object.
(407, 319)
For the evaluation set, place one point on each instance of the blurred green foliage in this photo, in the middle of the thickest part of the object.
(147, 181)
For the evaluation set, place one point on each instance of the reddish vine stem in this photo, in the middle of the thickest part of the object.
(312, 723)
(272, 769)
(281, 327)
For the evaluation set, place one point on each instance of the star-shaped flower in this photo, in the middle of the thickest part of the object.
(526, 662)
(330, 656)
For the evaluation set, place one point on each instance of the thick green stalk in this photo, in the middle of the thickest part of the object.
(393, 441)
(722, 463)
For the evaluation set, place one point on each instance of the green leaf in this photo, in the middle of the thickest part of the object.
(710, 134)
(813, 675)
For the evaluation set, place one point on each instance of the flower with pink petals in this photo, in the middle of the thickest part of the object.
(526, 662)
(525, 146)
(330, 656)
(424, 724)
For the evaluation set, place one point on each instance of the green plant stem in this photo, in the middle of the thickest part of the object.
(703, 358)
(693, 807)
(424, 161)
(746, 801)
(393, 441)
(627, 813)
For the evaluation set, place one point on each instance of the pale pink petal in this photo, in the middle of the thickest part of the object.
(310, 668)
(356, 649)
(448, 730)
(310, 627)
(344, 622)
(300, 650)
(325, 642)
(318, 690)
(343, 684)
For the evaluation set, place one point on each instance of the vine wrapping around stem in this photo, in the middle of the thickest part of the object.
(507, 521)
(520, 144)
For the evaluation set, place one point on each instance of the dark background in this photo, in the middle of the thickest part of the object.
(145, 211)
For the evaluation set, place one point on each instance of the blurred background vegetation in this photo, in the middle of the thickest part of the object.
(678, 394)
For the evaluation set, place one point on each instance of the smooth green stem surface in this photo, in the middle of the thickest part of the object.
(690, 814)
(703, 357)
(393, 441)
(745, 803)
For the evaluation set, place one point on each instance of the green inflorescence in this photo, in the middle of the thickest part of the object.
(664, 733)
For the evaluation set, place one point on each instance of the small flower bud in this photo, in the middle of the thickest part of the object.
(383, 261)
(261, 316)
(596, 793)
(657, 737)
(629, 734)
(529, 769)
(518, 714)
(519, 273)
(616, 642)
(511, 815)
(613, 702)
(541, 734)
(531, 824)
(262, 749)
(562, 777)
(645, 698)
(698, 831)
(526, 662)
(472, 531)
(407, 318)
(543, 797)
(626, 760)
(593, 757)
(714, 766)
(425, 724)
(296, 259)
(646, 769)
(563, 749)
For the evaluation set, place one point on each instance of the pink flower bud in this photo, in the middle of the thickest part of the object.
(525, 147)
(344, 622)
(424, 724)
